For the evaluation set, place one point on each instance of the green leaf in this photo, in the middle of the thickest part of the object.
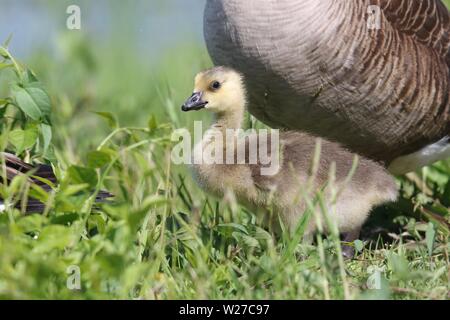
(359, 245)
(32, 223)
(32, 100)
(4, 65)
(230, 226)
(81, 175)
(98, 159)
(247, 241)
(53, 237)
(23, 139)
(8, 40)
(44, 181)
(430, 238)
(37, 192)
(97, 221)
(30, 77)
(65, 218)
(46, 132)
(73, 190)
(261, 234)
(110, 118)
(4, 53)
(399, 265)
(153, 201)
(152, 123)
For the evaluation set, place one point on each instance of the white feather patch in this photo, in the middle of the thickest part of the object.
(424, 157)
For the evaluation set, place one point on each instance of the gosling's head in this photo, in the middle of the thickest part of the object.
(219, 90)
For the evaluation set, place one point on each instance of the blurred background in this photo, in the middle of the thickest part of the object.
(133, 59)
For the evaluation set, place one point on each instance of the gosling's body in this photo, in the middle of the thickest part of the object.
(281, 193)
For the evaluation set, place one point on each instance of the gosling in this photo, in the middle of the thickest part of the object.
(221, 90)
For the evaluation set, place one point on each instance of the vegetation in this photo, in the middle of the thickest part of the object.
(112, 117)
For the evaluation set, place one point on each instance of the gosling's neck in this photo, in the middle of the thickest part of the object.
(227, 120)
(217, 133)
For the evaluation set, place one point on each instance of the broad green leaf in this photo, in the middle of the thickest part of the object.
(26, 103)
(31, 223)
(247, 241)
(97, 221)
(98, 159)
(233, 226)
(261, 234)
(65, 219)
(359, 245)
(53, 237)
(23, 139)
(399, 265)
(46, 132)
(81, 175)
(33, 101)
(110, 118)
(134, 219)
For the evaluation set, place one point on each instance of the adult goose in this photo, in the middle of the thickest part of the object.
(370, 74)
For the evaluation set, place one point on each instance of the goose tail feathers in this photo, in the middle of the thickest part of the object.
(38, 175)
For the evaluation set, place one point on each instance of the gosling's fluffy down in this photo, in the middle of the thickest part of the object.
(222, 91)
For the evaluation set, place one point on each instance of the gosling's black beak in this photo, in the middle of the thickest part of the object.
(195, 102)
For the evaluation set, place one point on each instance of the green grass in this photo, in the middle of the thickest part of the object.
(164, 238)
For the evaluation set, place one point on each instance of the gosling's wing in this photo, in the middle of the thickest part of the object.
(287, 159)
(257, 159)
(297, 160)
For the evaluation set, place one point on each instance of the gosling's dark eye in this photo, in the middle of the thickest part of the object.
(215, 85)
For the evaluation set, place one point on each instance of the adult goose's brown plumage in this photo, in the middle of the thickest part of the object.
(319, 66)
